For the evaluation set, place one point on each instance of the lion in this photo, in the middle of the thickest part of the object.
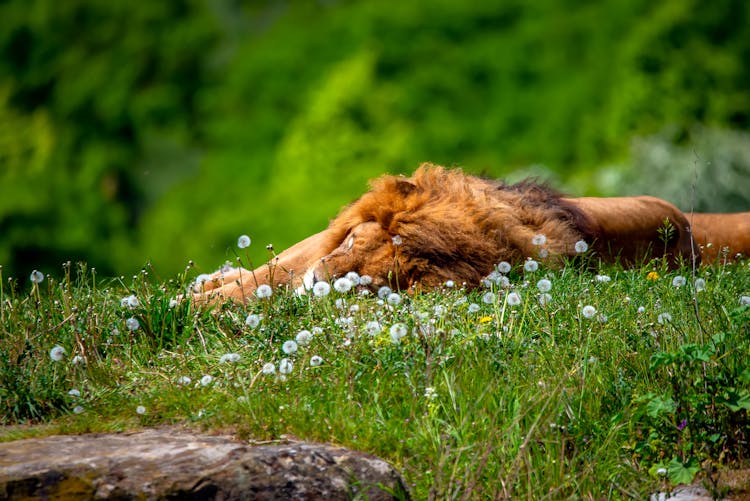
(721, 236)
(443, 225)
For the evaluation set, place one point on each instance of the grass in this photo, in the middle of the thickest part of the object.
(477, 401)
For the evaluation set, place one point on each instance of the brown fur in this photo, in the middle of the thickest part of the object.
(721, 235)
(454, 226)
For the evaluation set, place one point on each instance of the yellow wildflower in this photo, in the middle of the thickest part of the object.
(652, 276)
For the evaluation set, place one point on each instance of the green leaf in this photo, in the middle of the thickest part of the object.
(682, 473)
(735, 399)
(660, 405)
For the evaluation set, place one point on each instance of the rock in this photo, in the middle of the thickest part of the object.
(173, 464)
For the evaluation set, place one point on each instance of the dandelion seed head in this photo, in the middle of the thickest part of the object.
(353, 277)
(269, 368)
(321, 289)
(503, 267)
(129, 302)
(394, 299)
(343, 285)
(206, 380)
(252, 320)
(544, 285)
(315, 361)
(373, 327)
(78, 360)
(664, 318)
(530, 266)
(365, 280)
(397, 240)
(603, 278)
(229, 358)
(243, 242)
(539, 239)
(588, 311)
(745, 300)
(384, 291)
(641, 309)
(140, 410)
(286, 366)
(74, 393)
(700, 285)
(678, 281)
(289, 347)
(36, 277)
(450, 284)
(489, 298)
(473, 308)
(57, 353)
(304, 337)
(184, 380)
(513, 299)
(78, 409)
(132, 324)
(581, 246)
(545, 299)
(397, 332)
(202, 278)
(263, 291)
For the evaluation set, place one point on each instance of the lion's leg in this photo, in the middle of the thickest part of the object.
(287, 269)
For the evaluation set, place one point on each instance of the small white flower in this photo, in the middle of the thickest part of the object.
(394, 299)
(78, 360)
(588, 311)
(343, 285)
(513, 299)
(430, 393)
(57, 353)
(252, 320)
(745, 300)
(664, 318)
(473, 308)
(304, 337)
(531, 266)
(373, 327)
(243, 242)
(321, 289)
(450, 284)
(230, 358)
(545, 299)
(539, 240)
(489, 298)
(78, 409)
(289, 347)
(36, 277)
(263, 291)
(678, 281)
(184, 380)
(662, 472)
(269, 368)
(132, 324)
(129, 302)
(206, 380)
(365, 280)
(641, 309)
(384, 291)
(74, 393)
(544, 285)
(286, 366)
(397, 240)
(700, 285)
(581, 247)
(398, 331)
(353, 277)
(140, 410)
(503, 267)
(315, 361)
(603, 278)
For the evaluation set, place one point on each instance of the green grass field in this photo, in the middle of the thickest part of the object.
(613, 385)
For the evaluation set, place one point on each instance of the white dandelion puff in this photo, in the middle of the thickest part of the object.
(36, 277)
(397, 332)
(664, 318)
(132, 324)
(78, 360)
(229, 358)
(304, 337)
(678, 281)
(373, 327)
(286, 366)
(530, 266)
(263, 291)
(503, 267)
(581, 247)
(394, 299)
(353, 276)
(450, 284)
(206, 380)
(343, 285)
(78, 409)
(384, 291)
(140, 410)
(700, 285)
(544, 285)
(473, 308)
(603, 278)
(269, 368)
(321, 289)
(243, 242)
(513, 299)
(744, 300)
(588, 311)
(74, 393)
(315, 361)
(365, 280)
(289, 347)
(184, 380)
(252, 320)
(129, 302)
(489, 298)
(539, 240)
(397, 240)
(545, 299)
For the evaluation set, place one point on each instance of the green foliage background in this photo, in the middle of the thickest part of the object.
(161, 131)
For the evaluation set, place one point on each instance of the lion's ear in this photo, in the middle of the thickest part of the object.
(404, 187)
